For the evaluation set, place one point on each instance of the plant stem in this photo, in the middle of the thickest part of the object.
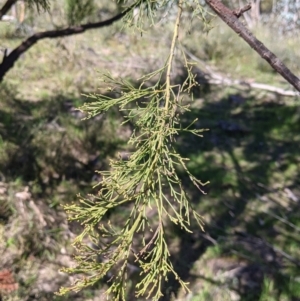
(172, 52)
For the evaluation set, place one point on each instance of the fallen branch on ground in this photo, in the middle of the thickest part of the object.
(211, 77)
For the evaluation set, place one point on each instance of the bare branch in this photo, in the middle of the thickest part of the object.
(231, 19)
(9, 60)
(240, 11)
(6, 7)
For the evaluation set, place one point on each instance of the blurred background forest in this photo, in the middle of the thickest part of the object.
(250, 249)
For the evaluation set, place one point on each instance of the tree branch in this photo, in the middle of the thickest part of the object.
(231, 19)
(240, 11)
(9, 60)
(6, 7)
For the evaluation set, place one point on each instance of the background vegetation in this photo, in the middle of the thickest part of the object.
(250, 247)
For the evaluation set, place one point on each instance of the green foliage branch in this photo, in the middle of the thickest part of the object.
(77, 11)
(147, 179)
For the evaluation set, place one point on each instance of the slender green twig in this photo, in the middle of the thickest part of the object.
(172, 53)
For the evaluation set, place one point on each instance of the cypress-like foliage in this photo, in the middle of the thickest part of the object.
(145, 180)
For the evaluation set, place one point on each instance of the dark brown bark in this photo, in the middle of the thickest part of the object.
(6, 7)
(231, 19)
(10, 59)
